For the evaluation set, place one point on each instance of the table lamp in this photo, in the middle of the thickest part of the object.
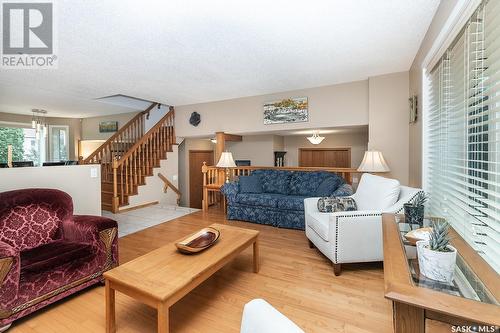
(226, 161)
(373, 161)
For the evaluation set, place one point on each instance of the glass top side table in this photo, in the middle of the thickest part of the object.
(471, 299)
(465, 283)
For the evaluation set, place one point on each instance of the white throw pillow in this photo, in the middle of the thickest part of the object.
(376, 193)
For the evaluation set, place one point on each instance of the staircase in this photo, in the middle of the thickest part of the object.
(130, 155)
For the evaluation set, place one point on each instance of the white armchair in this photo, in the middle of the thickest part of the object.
(260, 317)
(356, 236)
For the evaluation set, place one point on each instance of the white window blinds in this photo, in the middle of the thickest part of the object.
(463, 134)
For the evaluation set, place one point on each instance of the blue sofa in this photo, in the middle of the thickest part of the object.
(281, 202)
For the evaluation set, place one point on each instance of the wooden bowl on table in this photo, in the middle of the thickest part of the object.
(199, 241)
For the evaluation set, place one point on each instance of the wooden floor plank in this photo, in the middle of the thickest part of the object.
(297, 280)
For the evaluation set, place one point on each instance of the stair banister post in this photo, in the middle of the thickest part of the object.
(116, 199)
(204, 202)
(172, 109)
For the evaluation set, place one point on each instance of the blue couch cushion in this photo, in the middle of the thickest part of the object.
(328, 186)
(273, 181)
(305, 183)
(342, 191)
(230, 190)
(250, 184)
(291, 202)
(258, 199)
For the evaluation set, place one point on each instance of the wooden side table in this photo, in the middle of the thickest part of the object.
(472, 299)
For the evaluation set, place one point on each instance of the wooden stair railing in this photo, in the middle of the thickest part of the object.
(119, 143)
(168, 185)
(129, 171)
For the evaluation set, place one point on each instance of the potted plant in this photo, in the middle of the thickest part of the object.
(436, 257)
(414, 211)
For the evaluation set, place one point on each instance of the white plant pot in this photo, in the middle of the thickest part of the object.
(439, 266)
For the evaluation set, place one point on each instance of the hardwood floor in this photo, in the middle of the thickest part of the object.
(295, 279)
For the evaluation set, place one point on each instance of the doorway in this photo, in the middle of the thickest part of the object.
(196, 159)
(325, 157)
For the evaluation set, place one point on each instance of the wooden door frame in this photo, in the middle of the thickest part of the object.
(348, 149)
(189, 168)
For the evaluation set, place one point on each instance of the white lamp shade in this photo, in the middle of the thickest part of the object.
(373, 161)
(226, 160)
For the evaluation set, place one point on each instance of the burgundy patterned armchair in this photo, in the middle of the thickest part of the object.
(46, 252)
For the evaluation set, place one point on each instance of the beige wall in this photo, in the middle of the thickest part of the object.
(87, 147)
(415, 131)
(184, 148)
(153, 189)
(337, 105)
(76, 180)
(380, 102)
(357, 141)
(90, 126)
(74, 125)
(278, 143)
(388, 121)
(259, 149)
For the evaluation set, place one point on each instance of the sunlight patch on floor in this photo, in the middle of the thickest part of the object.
(142, 218)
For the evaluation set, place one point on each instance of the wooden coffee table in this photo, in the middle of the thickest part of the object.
(163, 276)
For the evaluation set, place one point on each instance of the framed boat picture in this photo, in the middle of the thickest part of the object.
(108, 126)
(288, 110)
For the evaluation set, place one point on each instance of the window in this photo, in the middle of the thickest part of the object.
(26, 146)
(59, 147)
(463, 134)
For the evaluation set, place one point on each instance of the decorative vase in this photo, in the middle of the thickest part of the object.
(435, 265)
(414, 214)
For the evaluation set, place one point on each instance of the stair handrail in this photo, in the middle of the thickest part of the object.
(129, 168)
(118, 133)
(146, 137)
(168, 184)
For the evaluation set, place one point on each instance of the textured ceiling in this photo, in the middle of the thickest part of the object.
(182, 52)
